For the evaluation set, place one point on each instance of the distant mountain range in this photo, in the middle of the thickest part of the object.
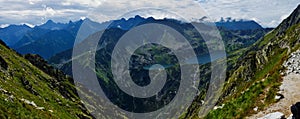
(257, 76)
(239, 25)
(51, 38)
(31, 88)
(13, 33)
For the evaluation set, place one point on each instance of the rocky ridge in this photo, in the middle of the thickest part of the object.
(288, 93)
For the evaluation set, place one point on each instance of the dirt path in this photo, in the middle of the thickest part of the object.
(290, 89)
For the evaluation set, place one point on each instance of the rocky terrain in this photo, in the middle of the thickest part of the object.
(289, 91)
(257, 82)
(34, 89)
(262, 80)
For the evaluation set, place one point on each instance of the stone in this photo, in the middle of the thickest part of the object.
(275, 115)
(293, 63)
(255, 109)
(40, 108)
(219, 107)
(279, 96)
(295, 109)
(29, 102)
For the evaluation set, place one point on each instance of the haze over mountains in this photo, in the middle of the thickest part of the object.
(61, 36)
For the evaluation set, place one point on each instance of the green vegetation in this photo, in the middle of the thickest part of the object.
(242, 103)
(28, 92)
(265, 64)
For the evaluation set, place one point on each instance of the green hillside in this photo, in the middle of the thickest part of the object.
(255, 82)
(29, 92)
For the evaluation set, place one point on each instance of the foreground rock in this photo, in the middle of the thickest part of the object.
(275, 115)
(289, 89)
(296, 110)
(293, 63)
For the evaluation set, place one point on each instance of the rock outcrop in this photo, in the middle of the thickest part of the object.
(296, 110)
(293, 63)
(275, 115)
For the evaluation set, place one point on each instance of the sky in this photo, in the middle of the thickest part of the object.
(268, 13)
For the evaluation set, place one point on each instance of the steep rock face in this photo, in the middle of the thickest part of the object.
(293, 19)
(256, 79)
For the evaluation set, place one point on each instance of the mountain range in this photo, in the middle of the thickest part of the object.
(32, 88)
(256, 80)
(40, 39)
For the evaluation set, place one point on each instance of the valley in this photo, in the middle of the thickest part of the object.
(37, 77)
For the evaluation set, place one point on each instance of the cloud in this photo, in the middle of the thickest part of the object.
(50, 11)
(32, 2)
(90, 3)
(269, 12)
(156, 8)
(4, 25)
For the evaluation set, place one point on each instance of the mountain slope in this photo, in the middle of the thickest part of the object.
(13, 33)
(254, 83)
(234, 39)
(30, 36)
(239, 25)
(29, 92)
(49, 44)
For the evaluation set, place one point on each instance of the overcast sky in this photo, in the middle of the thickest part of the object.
(268, 13)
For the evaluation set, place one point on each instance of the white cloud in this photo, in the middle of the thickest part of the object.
(50, 11)
(268, 12)
(32, 2)
(89, 3)
(187, 9)
(4, 25)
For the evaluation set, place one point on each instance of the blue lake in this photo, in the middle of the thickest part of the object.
(202, 59)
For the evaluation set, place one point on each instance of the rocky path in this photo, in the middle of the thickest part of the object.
(290, 89)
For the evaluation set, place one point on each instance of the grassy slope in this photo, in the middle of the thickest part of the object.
(22, 80)
(261, 89)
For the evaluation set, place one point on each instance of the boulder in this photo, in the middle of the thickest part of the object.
(275, 115)
(3, 63)
(295, 109)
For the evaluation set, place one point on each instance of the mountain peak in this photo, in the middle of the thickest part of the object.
(138, 17)
(293, 19)
(239, 25)
(50, 21)
(52, 25)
